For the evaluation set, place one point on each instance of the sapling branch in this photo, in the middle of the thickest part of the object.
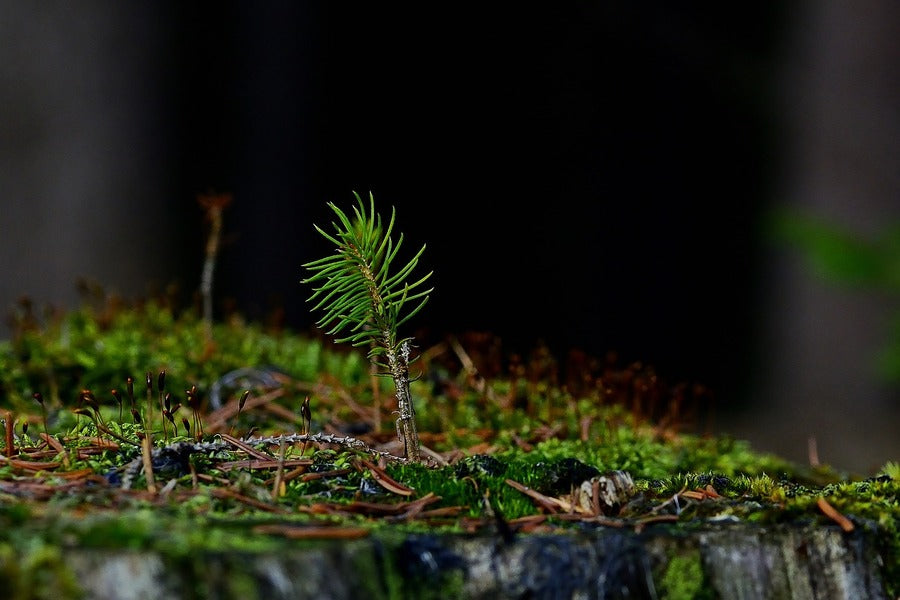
(362, 297)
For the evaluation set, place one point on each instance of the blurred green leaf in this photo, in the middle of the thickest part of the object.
(839, 254)
(843, 256)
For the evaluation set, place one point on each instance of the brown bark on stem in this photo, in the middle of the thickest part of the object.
(398, 362)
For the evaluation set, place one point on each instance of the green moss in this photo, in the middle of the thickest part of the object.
(89, 349)
(35, 569)
(683, 579)
(507, 419)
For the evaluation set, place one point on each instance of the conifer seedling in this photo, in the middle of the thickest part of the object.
(366, 301)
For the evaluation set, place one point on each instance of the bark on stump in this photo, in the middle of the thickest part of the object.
(729, 561)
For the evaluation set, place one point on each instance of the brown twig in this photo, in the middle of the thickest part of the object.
(385, 480)
(247, 447)
(832, 513)
(548, 503)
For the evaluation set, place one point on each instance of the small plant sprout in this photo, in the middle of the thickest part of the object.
(129, 389)
(115, 394)
(363, 298)
(149, 419)
(39, 398)
(306, 414)
(241, 403)
(193, 402)
(88, 399)
(161, 388)
(169, 413)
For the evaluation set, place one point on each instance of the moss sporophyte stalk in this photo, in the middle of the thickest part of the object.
(363, 298)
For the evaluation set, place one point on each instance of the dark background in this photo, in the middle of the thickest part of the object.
(586, 174)
(592, 175)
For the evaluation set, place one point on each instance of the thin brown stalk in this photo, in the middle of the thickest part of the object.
(10, 446)
(277, 490)
(147, 457)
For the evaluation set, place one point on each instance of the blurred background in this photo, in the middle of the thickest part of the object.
(594, 176)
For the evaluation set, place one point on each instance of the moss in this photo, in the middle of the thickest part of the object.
(449, 585)
(96, 349)
(35, 569)
(684, 579)
(521, 429)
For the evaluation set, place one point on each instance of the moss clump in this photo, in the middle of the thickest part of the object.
(683, 579)
(36, 569)
(517, 426)
(96, 347)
